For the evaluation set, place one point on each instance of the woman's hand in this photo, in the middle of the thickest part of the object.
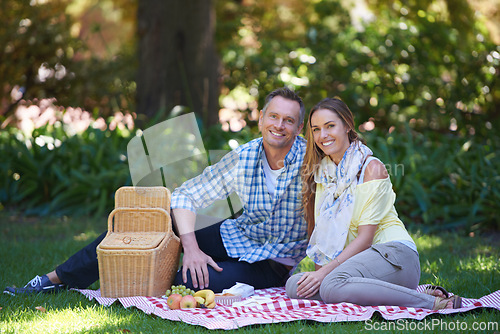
(308, 285)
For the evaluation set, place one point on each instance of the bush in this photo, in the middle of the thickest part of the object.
(53, 173)
(442, 181)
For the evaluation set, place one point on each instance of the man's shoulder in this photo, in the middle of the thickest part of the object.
(254, 143)
(244, 153)
(302, 142)
(253, 146)
(300, 148)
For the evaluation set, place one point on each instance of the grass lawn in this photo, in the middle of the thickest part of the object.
(468, 266)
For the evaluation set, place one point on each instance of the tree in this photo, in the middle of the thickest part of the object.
(178, 63)
(36, 51)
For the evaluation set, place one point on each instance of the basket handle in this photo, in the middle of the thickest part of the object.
(167, 220)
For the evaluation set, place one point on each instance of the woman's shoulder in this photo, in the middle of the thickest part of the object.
(375, 170)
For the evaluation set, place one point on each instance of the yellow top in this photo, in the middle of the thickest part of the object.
(374, 205)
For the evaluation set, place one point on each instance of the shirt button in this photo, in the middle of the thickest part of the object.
(386, 255)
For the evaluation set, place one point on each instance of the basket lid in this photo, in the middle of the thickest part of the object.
(132, 240)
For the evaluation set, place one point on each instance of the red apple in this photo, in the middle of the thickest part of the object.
(174, 301)
(188, 302)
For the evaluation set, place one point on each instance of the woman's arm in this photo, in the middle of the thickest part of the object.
(309, 283)
(374, 170)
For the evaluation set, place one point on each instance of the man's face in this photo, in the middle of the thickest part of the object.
(281, 123)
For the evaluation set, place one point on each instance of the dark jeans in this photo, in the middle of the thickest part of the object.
(81, 269)
(260, 275)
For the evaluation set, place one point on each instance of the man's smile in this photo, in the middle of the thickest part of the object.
(277, 134)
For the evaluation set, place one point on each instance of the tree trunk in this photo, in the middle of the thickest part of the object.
(178, 64)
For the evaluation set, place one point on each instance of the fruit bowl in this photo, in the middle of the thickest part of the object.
(227, 299)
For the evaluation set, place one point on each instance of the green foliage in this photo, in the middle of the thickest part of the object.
(41, 59)
(404, 66)
(217, 139)
(426, 77)
(442, 182)
(53, 173)
(425, 74)
(34, 37)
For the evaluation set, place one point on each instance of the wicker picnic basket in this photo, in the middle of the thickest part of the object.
(140, 254)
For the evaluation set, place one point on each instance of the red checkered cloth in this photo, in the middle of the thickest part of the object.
(283, 309)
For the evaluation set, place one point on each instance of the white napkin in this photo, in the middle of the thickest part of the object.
(240, 289)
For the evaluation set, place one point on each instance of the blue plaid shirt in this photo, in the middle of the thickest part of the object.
(269, 227)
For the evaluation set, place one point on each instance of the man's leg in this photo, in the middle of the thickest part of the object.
(260, 275)
(210, 242)
(82, 268)
(79, 271)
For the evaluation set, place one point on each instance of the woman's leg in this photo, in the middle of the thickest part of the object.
(291, 288)
(384, 274)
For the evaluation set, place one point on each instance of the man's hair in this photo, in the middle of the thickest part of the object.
(288, 94)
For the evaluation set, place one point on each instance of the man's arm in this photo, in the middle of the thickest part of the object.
(213, 184)
(193, 259)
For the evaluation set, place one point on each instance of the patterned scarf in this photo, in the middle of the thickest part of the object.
(335, 204)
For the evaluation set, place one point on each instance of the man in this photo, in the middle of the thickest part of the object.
(269, 238)
(262, 245)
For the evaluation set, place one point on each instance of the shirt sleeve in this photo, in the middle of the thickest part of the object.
(215, 183)
(373, 201)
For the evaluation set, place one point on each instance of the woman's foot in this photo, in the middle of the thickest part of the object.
(452, 302)
(436, 291)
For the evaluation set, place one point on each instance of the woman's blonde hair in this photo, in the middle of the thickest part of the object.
(314, 155)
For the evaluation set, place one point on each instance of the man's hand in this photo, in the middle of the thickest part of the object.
(193, 259)
(196, 262)
(308, 285)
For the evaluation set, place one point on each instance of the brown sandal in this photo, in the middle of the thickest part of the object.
(441, 303)
(431, 289)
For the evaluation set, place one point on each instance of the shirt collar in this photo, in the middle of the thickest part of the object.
(295, 150)
(292, 154)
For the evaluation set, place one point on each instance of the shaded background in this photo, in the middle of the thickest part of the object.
(80, 78)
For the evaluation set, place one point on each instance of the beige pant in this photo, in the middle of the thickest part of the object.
(384, 274)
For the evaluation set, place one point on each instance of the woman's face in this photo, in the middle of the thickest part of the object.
(330, 133)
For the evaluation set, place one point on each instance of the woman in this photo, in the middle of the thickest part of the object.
(361, 249)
